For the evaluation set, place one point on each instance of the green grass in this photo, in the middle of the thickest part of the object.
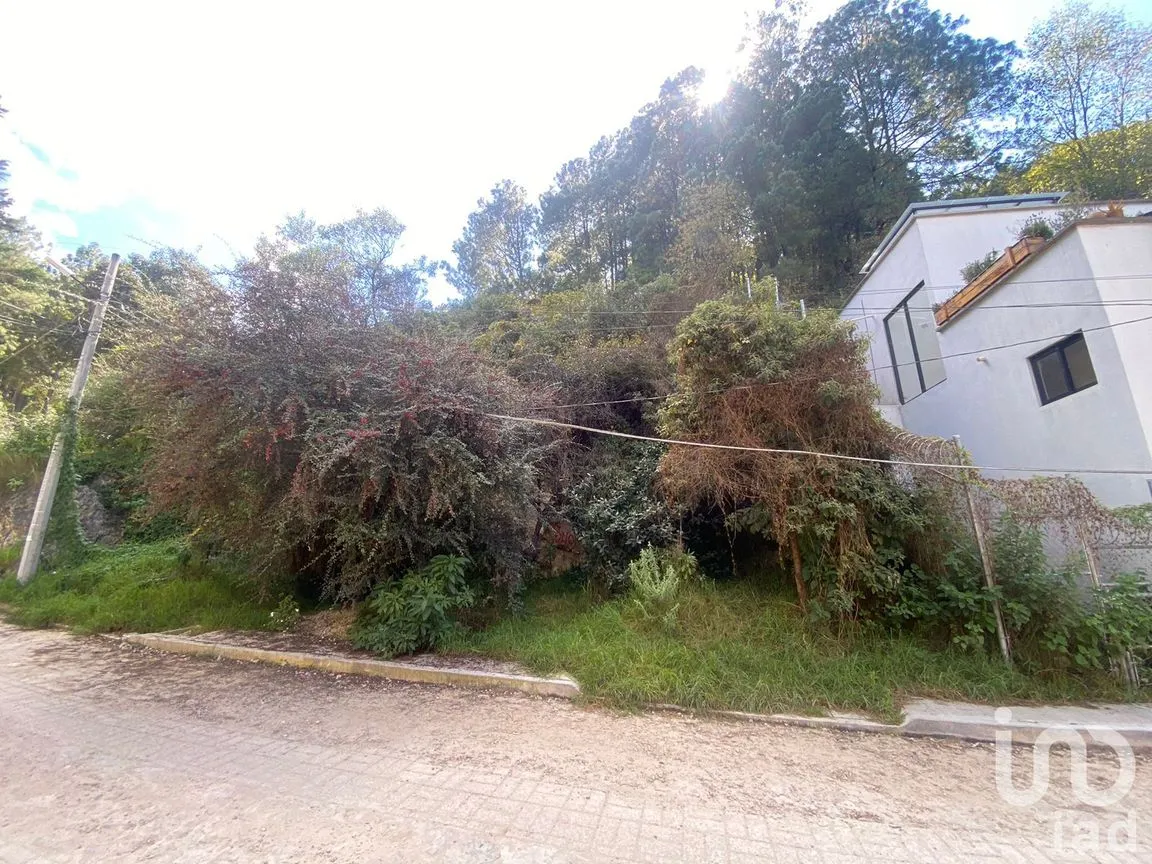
(737, 647)
(135, 587)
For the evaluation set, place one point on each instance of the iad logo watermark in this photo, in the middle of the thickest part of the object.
(1072, 828)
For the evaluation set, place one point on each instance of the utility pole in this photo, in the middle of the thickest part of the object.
(34, 542)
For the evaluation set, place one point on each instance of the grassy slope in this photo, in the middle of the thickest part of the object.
(737, 647)
(142, 587)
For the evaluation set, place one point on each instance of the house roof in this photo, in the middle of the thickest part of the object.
(913, 210)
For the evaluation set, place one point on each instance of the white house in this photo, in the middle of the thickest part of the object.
(1044, 361)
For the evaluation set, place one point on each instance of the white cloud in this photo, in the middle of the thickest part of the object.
(55, 225)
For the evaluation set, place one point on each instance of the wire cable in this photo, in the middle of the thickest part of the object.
(780, 451)
(34, 340)
(1054, 338)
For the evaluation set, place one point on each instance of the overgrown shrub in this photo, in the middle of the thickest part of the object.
(616, 510)
(752, 375)
(415, 612)
(1051, 621)
(286, 614)
(1121, 619)
(973, 269)
(655, 579)
(291, 423)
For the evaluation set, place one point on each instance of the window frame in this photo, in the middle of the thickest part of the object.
(1058, 348)
(902, 306)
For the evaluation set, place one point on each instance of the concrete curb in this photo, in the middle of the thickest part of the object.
(1023, 734)
(959, 721)
(561, 687)
(834, 722)
(1139, 739)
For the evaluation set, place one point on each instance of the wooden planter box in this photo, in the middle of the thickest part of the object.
(1013, 256)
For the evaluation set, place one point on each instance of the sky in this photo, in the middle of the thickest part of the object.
(202, 125)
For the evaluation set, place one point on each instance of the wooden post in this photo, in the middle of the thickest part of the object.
(986, 563)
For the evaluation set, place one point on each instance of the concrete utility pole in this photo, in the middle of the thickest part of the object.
(34, 542)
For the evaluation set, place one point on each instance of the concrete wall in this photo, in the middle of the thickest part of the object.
(1125, 252)
(990, 398)
(897, 273)
(953, 239)
(932, 249)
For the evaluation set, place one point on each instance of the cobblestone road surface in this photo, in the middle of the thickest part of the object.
(109, 754)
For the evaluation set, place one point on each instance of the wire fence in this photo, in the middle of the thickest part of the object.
(1079, 533)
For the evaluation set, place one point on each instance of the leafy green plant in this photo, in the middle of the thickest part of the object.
(1052, 622)
(1122, 620)
(616, 511)
(656, 578)
(286, 614)
(1037, 227)
(415, 612)
(948, 603)
(973, 269)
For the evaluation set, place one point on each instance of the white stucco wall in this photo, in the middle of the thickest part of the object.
(1121, 258)
(954, 239)
(897, 273)
(932, 249)
(989, 396)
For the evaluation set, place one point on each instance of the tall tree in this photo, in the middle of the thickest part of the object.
(570, 226)
(494, 255)
(40, 330)
(1089, 71)
(920, 93)
(815, 203)
(612, 216)
(714, 250)
(5, 198)
(665, 148)
(361, 249)
(1120, 165)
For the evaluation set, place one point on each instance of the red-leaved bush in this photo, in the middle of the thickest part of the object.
(291, 426)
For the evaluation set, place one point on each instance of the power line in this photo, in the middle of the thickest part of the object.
(788, 452)
(1081, 304)
(871, 368)
(17, 308)
(27, 326)
(120, 314)
(716, 392)
(35, 339)
(573, 327)
(957, 285)
(1042, 339)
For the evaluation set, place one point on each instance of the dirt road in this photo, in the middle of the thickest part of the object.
(109, 753)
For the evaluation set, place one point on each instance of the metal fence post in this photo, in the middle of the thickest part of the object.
(985, 561)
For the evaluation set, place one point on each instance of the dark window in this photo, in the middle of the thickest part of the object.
(913, 345)
(1063, 369)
